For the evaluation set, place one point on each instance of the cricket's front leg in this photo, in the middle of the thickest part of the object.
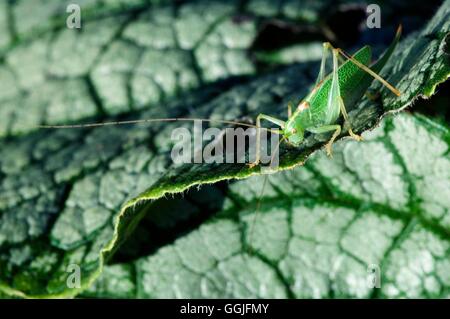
(258, 135)
(328, 128)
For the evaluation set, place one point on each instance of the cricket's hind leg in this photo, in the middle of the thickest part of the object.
(347, 121)
(289, 108)
(326, 47)
(335, 106)
(337, 98)
(366, 69)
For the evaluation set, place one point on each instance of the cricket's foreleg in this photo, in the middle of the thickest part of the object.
(347, 120)
(328, 128)
(258, 134)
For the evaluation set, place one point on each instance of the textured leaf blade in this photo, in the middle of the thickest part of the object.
(61, 192)
(321, 229)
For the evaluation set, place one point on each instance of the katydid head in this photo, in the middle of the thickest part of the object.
(293, 133)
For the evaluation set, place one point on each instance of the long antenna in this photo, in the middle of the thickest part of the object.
(172, 119)
(258, 204)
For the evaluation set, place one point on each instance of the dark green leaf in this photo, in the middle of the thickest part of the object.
(70, 197)
(382, 205)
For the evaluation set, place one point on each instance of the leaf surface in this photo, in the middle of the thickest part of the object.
(376, 211)
(71, 197)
